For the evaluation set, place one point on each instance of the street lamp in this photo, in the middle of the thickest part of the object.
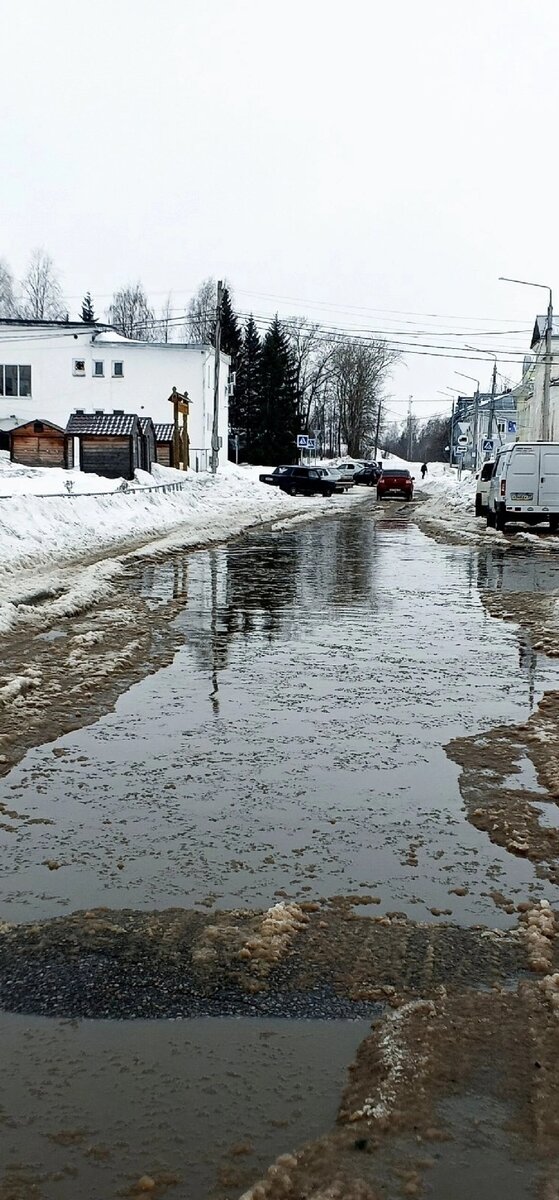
(547, 364)
(451, 438)
(476, 412)
(493, 388)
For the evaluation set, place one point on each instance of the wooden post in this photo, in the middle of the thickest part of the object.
(176, 432)
(185, 440)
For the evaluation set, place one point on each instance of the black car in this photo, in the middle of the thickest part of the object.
(369, 474)
(306, 480)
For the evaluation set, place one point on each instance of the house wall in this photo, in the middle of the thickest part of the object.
(113, 457)
(39, 449)
(150, 371)
(531, 429)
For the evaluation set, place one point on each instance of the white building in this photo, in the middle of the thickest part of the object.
(531, 404)
(48, 369)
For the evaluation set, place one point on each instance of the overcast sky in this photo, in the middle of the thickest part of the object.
(370, 164)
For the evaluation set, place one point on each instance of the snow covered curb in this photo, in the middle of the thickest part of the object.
(41, 537)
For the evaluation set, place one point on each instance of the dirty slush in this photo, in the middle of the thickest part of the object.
(280, 870)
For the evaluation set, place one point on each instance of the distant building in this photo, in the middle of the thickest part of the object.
(40, 444)
(108, 444)
(531, 386)
(49, 369)
(496, 424)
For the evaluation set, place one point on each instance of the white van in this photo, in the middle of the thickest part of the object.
(525, 485)
(483, 482)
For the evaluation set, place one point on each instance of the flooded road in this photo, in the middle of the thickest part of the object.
(292, 750)
(295, 745)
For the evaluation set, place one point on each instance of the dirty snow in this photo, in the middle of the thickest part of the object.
(44, 527)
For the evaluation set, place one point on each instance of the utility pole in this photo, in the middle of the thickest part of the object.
(492, 405)
(476, 423)
(410, 399)
(547, 363)
(547, 370)
(377, 431)
(215, 427)
(451, 439)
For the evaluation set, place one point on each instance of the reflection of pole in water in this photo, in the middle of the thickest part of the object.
(180, 580)
(528, 661)
(214, 694)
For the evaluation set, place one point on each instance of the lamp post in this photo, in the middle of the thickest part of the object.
(493, 388)
(547, 364)
(451, 438)
(476, 412)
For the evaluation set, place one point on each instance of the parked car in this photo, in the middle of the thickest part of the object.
(524, 485)
(274, 476)
(348, 469)
(369, 474)
(343, 482)
(395, 480)
(305, 480)
(483, 478)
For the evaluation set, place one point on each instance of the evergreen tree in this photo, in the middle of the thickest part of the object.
(87, 314)
(244, 405)
(279, 424)
(230, 333)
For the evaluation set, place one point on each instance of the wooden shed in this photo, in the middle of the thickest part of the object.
(148, 445)
(41, 444)
(110, 444)
(164, 444)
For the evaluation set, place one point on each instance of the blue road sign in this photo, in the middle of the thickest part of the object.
(488, 444)
(302, 441)
(511, 426)
(311, 443)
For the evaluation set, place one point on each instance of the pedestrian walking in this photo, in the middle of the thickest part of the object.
(424, 470)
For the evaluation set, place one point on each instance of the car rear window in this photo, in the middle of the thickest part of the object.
(487, 470)
(400, 474)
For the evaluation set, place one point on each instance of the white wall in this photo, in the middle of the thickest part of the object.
(151, 369)
(531, 422)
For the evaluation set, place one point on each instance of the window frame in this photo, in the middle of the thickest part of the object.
(117, 362)
(98, 362)
(81, 373)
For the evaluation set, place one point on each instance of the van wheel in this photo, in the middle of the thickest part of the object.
(478, 506)
(500, 520)
(554, 523)
(490, 518)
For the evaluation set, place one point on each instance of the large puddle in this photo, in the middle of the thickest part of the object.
(295, 745)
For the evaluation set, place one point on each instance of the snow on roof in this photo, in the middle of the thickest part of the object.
(540, 329)
(164, 432)
(145, 423)
(117, 424)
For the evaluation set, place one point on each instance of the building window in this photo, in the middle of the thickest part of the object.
(99, 369)
(500, 427)
(78, 366)
(15, 380)
(118, 370)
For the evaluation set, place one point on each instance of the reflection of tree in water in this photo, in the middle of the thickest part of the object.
(257, 588)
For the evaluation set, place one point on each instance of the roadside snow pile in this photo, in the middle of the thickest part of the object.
(39, 533)
(446, 492)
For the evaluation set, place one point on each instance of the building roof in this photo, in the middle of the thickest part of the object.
(540, 329)
(117, 424)
(37, 421)
(145, 423)
(164, 432)
(42, 324)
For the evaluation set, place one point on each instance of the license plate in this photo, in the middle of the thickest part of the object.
(522, 496)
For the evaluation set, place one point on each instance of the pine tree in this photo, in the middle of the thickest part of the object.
(230, 333)
(244, 406)
(279, 423)
(87, 314)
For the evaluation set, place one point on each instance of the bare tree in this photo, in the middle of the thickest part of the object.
(42, 293)
(200, 316)
(313, 355)
(7, 298)
(360, 372)
(131, 314)
(164, 323)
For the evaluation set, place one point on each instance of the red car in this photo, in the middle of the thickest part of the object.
(395, 481)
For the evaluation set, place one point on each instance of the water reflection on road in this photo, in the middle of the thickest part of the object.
(296, 743)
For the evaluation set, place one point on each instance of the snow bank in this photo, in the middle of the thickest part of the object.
(41, 532)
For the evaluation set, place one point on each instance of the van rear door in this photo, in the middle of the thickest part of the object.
(522, 476)
(549, 478)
